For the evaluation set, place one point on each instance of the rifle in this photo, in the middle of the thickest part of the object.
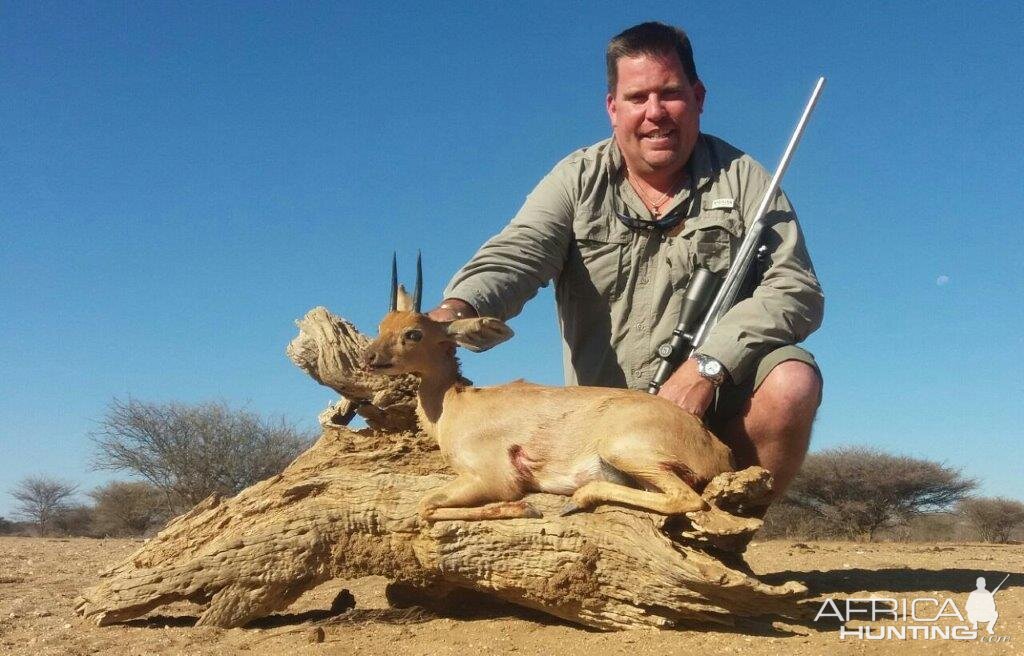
(705, 286)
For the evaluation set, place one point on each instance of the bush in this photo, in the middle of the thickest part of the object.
(995, 518)
(128, 509)
(930, 527)
(74, 520)
(189, 452)
(855, 492)
(786, 520)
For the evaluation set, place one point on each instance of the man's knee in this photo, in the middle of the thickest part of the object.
(793, 389)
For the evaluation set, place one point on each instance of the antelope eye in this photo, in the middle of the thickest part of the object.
(414, 335)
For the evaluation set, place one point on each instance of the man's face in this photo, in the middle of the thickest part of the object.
(655, 113)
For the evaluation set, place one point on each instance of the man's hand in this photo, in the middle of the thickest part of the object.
(451, 309)
(688, 389)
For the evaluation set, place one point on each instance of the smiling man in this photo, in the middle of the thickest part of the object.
(621, 225)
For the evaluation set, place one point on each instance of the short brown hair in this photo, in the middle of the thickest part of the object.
(651, 38)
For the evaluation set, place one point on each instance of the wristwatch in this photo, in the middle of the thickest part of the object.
(710, 368)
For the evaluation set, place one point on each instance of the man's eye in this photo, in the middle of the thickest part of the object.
(413, 335)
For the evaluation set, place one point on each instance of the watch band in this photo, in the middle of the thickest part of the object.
(711, 369)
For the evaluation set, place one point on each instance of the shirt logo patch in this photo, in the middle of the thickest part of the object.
(723, 204)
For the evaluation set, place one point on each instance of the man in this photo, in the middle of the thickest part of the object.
(621, 225)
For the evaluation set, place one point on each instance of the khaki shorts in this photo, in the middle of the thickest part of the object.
(731, 399)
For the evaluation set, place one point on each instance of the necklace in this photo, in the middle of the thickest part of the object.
(654, 205)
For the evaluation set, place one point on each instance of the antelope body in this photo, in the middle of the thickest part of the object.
(509, 440)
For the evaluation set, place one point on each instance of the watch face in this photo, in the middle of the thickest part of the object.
(711, 367)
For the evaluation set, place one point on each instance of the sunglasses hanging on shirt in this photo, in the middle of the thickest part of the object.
(664, 223)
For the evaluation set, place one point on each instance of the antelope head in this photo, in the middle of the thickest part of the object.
(409, 341)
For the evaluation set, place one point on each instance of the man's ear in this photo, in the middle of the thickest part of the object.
(479, 333)
(699, 93)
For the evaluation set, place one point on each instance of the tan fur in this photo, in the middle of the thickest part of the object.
(512, 439)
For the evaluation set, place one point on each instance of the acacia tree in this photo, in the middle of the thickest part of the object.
(995, 518)
(41, 499)
(192, 451)
(856, 491)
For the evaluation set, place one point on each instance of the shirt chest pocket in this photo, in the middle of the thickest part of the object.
(711, 239)
(598, 263)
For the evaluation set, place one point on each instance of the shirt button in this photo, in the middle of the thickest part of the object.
(641, 327)
(644, 281)
(638, 374)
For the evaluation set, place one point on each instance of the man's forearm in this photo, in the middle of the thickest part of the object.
(529, 252)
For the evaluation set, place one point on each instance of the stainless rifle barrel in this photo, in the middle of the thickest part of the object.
(726, 296)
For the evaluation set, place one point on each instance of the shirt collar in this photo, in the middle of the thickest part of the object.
(698, 167)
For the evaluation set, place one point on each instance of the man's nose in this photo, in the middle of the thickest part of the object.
(655, 110)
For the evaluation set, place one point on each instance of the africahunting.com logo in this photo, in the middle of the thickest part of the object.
(918, 618)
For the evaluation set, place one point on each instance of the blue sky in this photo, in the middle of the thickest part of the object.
(180, 181)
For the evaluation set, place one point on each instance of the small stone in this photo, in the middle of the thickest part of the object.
(344, 601)
(67, 626)
(42, 613)
(316, 634)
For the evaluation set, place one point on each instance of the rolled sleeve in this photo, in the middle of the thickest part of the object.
(512, 266)
(784, 308)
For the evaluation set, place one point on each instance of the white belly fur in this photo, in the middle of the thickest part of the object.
(570, 479)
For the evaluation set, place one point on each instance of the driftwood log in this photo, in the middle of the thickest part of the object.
(347, 508)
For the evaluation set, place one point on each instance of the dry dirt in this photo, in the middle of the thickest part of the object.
(39, 579)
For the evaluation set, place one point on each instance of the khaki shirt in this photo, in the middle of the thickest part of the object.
(619, 290)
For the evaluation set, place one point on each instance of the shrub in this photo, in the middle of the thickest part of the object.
(995, 518)
(128, 508)
(189, 452)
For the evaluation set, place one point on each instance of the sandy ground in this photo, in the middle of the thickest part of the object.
(39, 579)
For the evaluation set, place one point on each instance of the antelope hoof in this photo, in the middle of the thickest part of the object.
(530, 512)
(570, 509)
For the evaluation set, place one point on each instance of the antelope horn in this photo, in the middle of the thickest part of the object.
(394, 282)
(418, 294)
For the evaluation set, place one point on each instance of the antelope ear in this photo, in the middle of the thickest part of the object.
(405, 303)
(480, 333)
